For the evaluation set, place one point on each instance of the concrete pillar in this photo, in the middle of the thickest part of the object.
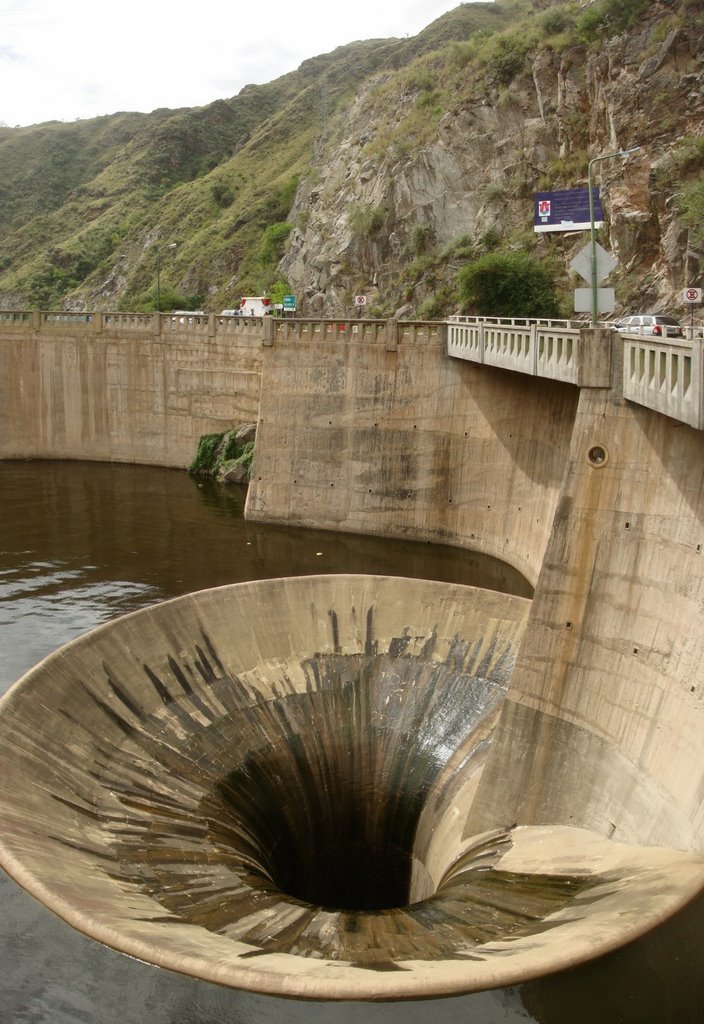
(391, 335)
(534, 349)
(267, 331)
(594, 358)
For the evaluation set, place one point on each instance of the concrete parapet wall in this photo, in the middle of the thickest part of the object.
(365, 426)
(364, 432)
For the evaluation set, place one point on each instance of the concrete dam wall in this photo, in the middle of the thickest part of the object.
(399, 440)
(355, 433)
(133, 391)
(572, 758)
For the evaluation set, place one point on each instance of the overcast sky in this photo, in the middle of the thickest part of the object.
(65, 59)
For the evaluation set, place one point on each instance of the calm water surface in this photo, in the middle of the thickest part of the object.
(81, 543)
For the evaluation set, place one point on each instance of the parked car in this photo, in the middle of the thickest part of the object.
(656, 323)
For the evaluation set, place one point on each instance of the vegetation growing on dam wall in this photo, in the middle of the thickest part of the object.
(227, 456)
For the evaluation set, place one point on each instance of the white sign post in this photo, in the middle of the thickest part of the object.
(584, 300)
(595, 300)
(692, 296)
(582, 263)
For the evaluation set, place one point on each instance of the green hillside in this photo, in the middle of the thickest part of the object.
(513, 96)
(87, 203)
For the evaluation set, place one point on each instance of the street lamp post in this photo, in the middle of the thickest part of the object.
(622, 153)
(172, 245)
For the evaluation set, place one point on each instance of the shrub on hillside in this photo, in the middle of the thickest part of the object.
(508, 58)
(271, 247)
(222, 194)
(508, 284)
(609, 18)
(690, 204)
(169, 299)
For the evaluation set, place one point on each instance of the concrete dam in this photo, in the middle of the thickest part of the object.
(361, 787)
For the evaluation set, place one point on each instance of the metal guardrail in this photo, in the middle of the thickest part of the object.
(519, 321)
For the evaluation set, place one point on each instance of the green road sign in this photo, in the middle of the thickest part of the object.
(289, 301)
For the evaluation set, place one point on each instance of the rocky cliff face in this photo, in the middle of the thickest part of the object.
(391, 210)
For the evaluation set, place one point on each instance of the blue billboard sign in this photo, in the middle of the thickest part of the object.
(566, 211)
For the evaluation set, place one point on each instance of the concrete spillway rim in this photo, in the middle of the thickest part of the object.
(428, 984)
(493, 596)
(284, 974)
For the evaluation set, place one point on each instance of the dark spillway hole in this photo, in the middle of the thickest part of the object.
(322, 831)
(337, 870)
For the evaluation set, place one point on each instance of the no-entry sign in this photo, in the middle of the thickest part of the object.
(692, 295)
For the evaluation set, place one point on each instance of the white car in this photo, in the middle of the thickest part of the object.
(657, 324)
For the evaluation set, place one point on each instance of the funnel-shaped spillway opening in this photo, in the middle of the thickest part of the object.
(267, 786)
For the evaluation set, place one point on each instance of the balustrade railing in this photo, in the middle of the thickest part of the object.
(659, 373)
(543, 348)
(388, 331)
(11, 316)
(128, 321)
(360, 330)
(664, 375)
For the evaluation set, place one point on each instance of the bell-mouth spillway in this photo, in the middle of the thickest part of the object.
(267, 786)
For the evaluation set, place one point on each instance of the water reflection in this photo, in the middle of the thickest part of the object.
(81, 543)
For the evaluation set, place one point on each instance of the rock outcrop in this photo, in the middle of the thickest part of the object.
(378, 199)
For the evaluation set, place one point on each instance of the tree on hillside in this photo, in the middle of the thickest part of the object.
(690, 203)
(508, 284)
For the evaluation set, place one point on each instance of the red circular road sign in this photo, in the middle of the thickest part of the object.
(692, 295)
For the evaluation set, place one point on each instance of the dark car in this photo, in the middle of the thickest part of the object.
(660, 325)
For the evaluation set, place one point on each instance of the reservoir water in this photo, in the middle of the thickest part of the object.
(82, 543)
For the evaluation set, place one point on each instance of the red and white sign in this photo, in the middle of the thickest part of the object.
(360, 300)
(692, 295)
